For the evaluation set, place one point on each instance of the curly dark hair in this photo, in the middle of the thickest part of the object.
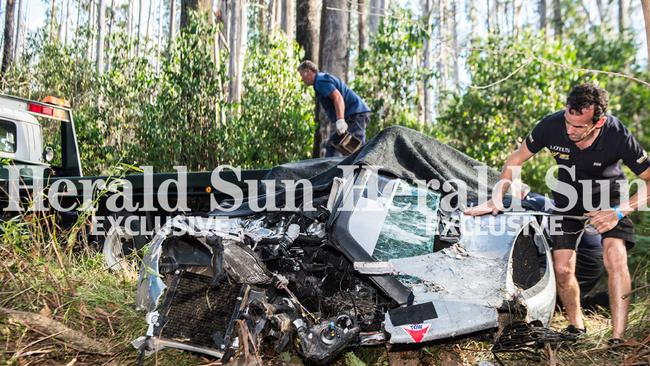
(585, 95)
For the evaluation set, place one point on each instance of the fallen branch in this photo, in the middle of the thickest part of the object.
(57, 330)
(635, 290)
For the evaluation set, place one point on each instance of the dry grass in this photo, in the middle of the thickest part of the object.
(41, 272)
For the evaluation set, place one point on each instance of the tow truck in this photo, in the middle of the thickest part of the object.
(39, 147)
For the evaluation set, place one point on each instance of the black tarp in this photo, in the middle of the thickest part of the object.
(397, 151)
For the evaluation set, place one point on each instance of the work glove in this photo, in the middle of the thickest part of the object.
(341, 126)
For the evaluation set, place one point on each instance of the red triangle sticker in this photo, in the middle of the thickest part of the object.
(417, 332)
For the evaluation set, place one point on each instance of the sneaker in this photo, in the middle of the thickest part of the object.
(573, 330)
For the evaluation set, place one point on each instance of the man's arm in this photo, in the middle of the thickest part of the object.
(605, 220)
(339, 104)
(339, 107)
(495, 204)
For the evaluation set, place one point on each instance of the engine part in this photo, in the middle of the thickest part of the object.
(321, 343)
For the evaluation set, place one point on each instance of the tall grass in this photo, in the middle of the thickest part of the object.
(55, 272)
(42, 272)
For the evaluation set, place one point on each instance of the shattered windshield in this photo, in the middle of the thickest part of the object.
(408, 230)
(391, 224)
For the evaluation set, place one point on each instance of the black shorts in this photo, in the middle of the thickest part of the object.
(571, 232)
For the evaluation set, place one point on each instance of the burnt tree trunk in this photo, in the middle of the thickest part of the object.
(333, 53)
(197, 5)
(307, 28)
(8, 51)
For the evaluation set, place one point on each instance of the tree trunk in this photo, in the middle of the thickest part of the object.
(101, 20)
(275, 14)
(470, 5)
(172, 25)
(219, 115)
(488, 16)
(139, 35)
(52, 17)
(129, 19)
(226, 9)
(333, 52)
(110, 33)
(541, 12)
(8, 54)
(77, 28)
(622, 17)
(333, 38)
(645, 5)
(19, 31)
(557, 19)
(63, 23)
(350, 42)
(442, 56)
(307, 28)
(497, 14)
(67, 25)
(196, 5)
(453, 33)
(90, 45)
(426, 63)
(147, 37)
(289, 18)
(374, 16)
(238, 35)
(517, 16)
(159, 35)
(361, 24)
(261, 16)
(601, 11)
(308, 37)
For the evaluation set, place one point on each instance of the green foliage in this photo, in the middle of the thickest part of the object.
(190, 121)
(177, 114)
(389, 72)
(179, 124)
(512, 92)
(601, 49)
(275, 125)
(517, 81)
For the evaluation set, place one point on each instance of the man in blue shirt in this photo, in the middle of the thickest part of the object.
(343, 106)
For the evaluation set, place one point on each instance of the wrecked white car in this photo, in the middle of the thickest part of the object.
(379, 259)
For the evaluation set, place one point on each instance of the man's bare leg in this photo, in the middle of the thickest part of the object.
(564, 264)
(618, 283)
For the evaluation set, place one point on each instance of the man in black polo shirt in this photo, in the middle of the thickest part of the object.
(587, 145)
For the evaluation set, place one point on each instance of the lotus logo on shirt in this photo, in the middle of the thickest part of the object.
(561, 149)
(417, 332)
(643, 158)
